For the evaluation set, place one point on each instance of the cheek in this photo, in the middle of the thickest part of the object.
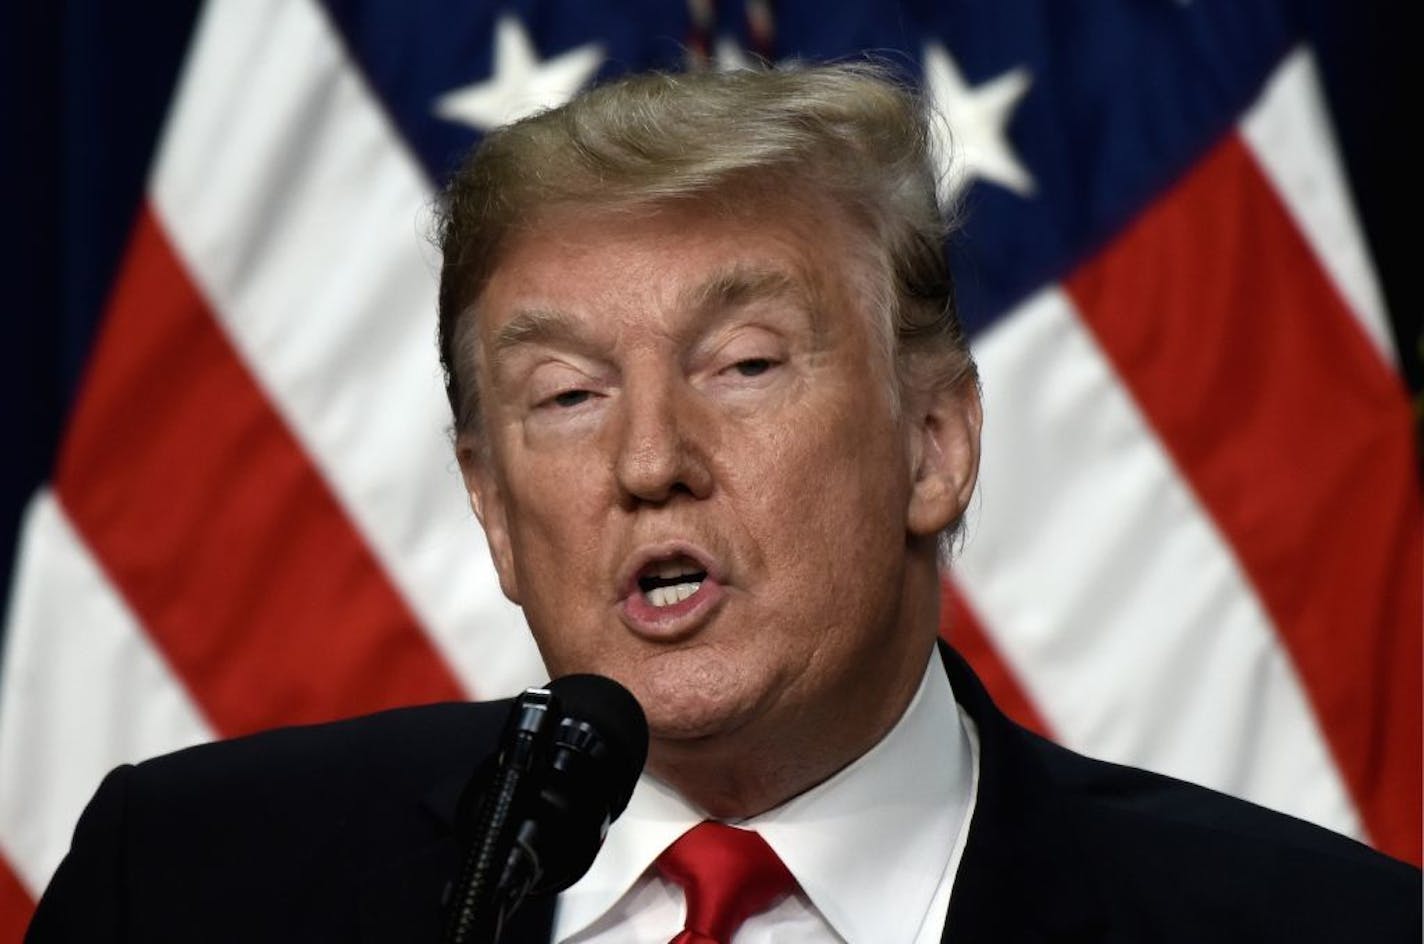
(828, 499)
(557, 532)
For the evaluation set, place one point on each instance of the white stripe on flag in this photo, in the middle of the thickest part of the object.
(81, 691)
(1290, 134)
(1112, 595)
(298, 210)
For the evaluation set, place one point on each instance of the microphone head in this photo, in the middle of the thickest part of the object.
(615, 716)
(597, 752)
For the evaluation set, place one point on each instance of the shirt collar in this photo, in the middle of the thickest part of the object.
(889, 819)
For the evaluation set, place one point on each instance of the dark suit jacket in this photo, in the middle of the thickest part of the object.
(341, 832)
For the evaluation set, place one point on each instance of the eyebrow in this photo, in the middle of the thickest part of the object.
(535, 326)
(730, 288)
(740, 285)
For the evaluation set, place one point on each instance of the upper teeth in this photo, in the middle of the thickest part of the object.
(678, 578)
(674, 568)
(673, 593)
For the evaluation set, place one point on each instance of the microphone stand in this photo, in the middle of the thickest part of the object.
(481, 898)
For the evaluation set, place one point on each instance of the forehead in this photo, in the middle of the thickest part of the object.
(672, 263)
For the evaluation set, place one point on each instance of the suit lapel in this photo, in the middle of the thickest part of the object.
(402, 899)
(1022, 876)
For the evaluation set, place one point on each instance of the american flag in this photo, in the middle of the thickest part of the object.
(1196, 547)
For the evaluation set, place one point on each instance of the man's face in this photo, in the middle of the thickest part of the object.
(693, 478)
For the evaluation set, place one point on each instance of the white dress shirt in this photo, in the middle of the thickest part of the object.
(874, 849)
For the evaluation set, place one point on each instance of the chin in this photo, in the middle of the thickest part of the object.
(673, 723)
(691, 696)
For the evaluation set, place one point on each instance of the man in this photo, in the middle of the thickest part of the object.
(716, 415)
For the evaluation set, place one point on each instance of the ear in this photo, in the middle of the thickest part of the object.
(944, 451)
(487, 502)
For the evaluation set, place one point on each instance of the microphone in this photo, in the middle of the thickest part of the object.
(568, 760)
(598, 751)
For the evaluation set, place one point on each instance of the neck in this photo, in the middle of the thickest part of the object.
(745, 772)
(736, 777)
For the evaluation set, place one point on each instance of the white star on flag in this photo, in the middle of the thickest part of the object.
(731, 57)
(520, 84)
(976, 143)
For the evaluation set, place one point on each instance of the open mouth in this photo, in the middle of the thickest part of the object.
(668, 582)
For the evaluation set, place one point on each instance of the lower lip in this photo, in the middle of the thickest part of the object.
(675, 620)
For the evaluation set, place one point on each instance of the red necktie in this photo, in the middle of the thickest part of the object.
(727, 875)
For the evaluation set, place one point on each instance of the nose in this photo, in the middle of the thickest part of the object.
(660, 451)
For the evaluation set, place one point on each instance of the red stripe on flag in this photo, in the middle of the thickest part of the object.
(961, 628)
(16, 908)
(1298, 441)
(216, 528)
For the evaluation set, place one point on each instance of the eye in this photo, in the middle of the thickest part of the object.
(754, 366)
(568, 398)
